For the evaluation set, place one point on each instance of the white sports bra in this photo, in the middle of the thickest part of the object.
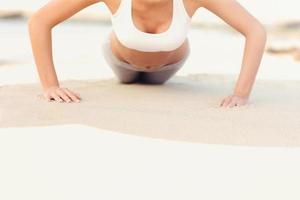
(133, 38)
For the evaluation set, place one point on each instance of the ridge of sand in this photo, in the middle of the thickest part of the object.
(185, 108)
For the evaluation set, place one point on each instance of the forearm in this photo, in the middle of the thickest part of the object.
(253, 52)
(40, 26)
(41, 42)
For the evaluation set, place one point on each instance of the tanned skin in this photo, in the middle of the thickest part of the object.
(56, 11)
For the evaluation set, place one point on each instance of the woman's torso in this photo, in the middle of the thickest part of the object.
(158, 20)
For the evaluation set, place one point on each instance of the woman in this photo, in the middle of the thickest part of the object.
(148, 41)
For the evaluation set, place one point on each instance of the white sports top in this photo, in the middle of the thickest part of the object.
(133, 38)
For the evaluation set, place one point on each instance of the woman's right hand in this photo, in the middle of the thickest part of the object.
(40, 26)
(60, 94)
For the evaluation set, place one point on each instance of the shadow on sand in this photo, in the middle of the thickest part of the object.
(184, 108)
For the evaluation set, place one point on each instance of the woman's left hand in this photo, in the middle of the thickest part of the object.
(234, 100)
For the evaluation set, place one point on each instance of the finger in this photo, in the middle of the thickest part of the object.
(72, 95)
(241, 103)
(226, 102)
(63, 95)
(78, 95)
(232, 104)
(47, 97)
(221, 104)
(56, 97)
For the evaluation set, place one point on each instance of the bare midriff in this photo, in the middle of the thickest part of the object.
(148, 60)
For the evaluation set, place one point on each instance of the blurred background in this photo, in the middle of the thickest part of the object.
(216, 47)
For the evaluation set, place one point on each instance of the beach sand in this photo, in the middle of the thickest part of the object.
(139, 141)
(79, 162)
(184, 109)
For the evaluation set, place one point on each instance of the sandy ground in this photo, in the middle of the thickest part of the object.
(187, 147)
(185, 108)
(79, 162)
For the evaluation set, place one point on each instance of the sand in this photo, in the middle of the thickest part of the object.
(184, 109)
(141, 141)
(79, 162)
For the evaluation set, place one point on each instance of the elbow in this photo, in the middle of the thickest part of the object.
(35, 21)
(261, 32)
(258, 32)
(31, 21)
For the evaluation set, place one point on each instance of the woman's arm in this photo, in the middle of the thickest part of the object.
(40, 25)
(237, 17)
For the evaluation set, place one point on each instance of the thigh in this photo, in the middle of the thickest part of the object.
(120, 68)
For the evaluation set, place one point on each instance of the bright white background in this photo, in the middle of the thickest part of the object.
(78, 162)
(266, 10)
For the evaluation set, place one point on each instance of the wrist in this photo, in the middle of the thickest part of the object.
(48, 82)
(241, 94)
(45, 88)
(242, 91)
